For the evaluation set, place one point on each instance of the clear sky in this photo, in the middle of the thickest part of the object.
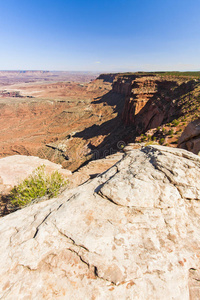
(100, 35)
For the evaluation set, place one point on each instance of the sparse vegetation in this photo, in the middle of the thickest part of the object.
(189, 74)
(149, 137)
(170, 132)
(143, 138)
(161, 141)
(151, 143)
(36, 186)
(175, 122)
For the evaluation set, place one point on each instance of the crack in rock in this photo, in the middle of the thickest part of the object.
(37, 228)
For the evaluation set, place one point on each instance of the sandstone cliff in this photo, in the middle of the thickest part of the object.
(131, 233)
(152, 100)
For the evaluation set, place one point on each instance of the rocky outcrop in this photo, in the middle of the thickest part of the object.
(107, 77)
(131, 233)
(151, 99)
(190, 138)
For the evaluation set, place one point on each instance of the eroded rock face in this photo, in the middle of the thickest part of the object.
(131, 233)
(190, 138)
(151, 99)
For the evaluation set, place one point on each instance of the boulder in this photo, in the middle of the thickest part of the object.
(130, 233)
(190, 138)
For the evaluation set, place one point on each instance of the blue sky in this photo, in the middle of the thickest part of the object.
(99, 35)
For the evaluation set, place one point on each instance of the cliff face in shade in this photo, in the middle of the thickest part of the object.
(123, 235)
(150, 99)
(108, 77)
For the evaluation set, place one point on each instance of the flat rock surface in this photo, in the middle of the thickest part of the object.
(131, 233)
(93, 169)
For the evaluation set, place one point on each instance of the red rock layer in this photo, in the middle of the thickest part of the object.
(150, 99)
(41, 126)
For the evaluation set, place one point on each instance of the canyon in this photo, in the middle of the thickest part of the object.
(43, 114)
(72, 123)
(127, 225)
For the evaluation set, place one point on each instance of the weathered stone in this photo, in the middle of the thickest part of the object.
(131, 233)
(190, 138)
(93, 169)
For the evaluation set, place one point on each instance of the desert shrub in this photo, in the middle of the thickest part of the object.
(144, 137)
(36, 186)
(151, 143)
(175, 122)
(161, 141)
(149, 137)
(171, 131)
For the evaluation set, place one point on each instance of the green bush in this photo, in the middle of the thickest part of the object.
(171, 131)
(37, 185)
(175, 122)
(161, 141)
(149, 137)
(151, 143)
(144, 138)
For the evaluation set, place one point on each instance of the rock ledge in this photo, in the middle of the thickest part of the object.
(131, 233)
